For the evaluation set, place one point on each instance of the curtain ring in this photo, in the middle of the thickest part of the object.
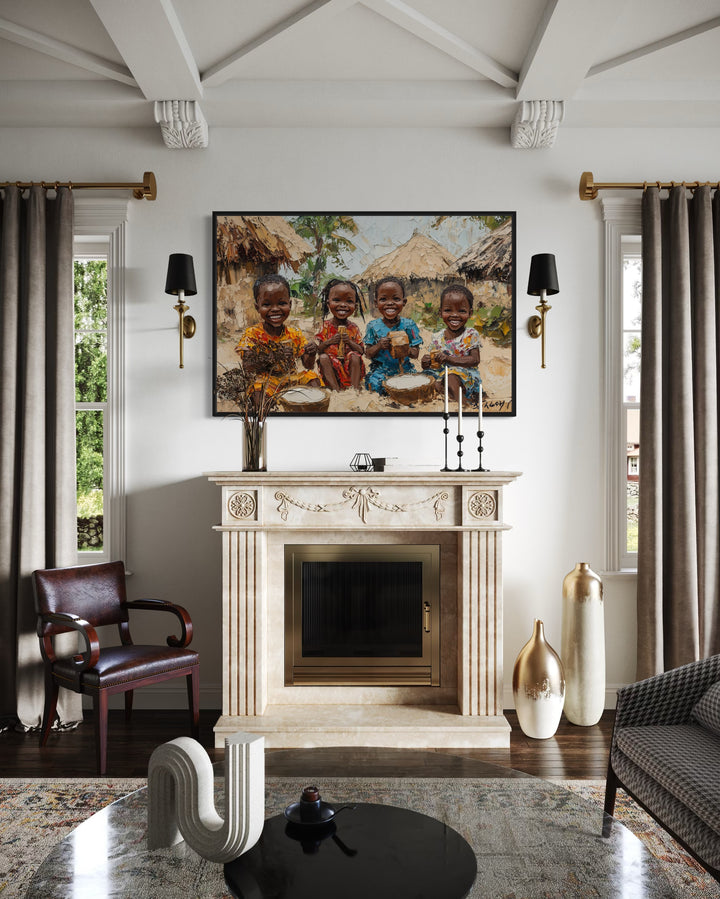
(644, 186)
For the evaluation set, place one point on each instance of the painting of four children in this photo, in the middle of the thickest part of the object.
(340, 357)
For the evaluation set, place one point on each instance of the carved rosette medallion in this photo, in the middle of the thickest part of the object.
(242, 505)
(482, 505)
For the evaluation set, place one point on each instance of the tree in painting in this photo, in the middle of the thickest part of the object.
(326, 234)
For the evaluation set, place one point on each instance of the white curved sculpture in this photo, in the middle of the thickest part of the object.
(181, 803)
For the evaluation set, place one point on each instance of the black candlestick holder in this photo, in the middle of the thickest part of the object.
(480, 435)
(460, 439)
(446, 431)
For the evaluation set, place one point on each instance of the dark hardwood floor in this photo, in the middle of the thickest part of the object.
(574, 752)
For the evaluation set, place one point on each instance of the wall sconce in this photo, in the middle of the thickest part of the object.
(543, 282)
(180, 282)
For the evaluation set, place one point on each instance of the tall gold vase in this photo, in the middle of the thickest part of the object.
(583, 645)
(538, 686)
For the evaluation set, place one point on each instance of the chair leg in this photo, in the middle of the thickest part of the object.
(611, 785)
(51, 699)
(101, 718)
(193, 688)
(128, 704)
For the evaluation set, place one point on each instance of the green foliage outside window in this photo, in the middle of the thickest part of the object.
(90, 276)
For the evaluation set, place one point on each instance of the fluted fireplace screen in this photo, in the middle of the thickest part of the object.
(362, 615)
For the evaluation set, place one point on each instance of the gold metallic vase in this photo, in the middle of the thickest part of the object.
(583, 645)
(538, 686)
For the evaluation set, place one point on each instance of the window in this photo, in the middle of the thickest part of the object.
(99, 377)
(623, 285)
(631, 320)
(91, 397)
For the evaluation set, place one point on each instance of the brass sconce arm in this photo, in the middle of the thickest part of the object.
(186, 324)
(536, 326)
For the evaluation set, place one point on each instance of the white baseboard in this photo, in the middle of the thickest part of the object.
(166, 696)
(174, 696)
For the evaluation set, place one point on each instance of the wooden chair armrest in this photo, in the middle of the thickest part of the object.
(88, 658)
(162, 605)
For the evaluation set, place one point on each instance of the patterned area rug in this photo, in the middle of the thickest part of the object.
(35, 816)
(686, 875)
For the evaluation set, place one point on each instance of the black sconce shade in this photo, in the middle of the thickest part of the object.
(180, 275)
(543, 275)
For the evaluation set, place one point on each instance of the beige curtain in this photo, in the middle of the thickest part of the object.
(678, 549)
(37, 434)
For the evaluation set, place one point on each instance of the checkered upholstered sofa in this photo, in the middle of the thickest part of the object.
(665, 753)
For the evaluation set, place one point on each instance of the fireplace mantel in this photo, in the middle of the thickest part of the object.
(459, 511)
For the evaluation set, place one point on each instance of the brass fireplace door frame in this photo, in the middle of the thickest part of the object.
(371, 671)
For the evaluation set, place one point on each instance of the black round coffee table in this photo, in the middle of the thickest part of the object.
(367, 852)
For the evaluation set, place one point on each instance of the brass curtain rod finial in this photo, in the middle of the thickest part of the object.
(588, 191)
(148, 191)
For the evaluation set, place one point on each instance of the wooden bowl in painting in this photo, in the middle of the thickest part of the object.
(305, 399)
(410, 388)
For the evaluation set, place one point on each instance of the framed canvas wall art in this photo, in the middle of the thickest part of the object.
(354, 302)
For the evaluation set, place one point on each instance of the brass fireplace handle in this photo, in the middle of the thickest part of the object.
(426, 609)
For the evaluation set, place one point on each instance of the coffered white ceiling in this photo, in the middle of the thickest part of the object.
(532, 66)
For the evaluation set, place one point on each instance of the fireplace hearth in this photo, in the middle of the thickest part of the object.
(368, 702)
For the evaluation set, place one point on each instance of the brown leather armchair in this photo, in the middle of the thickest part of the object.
(90, 596)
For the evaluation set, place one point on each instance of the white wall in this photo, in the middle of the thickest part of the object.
(555, 509)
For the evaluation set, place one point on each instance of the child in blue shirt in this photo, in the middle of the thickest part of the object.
(387, 360)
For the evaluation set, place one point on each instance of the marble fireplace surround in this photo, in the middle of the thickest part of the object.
(461, 512)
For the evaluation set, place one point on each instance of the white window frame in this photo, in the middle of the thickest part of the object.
(623, 220)
(99, 229)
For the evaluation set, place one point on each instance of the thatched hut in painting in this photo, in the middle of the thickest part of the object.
(490, 259)
(263, 243)
(248, 246)
(420, 262)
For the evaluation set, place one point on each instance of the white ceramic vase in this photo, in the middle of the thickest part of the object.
(583, 645)
(538, 686)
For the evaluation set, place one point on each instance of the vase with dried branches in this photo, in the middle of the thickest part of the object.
(254, 388)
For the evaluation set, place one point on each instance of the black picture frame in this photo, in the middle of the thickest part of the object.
(427, 251)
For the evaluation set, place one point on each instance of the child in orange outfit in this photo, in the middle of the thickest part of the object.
(272, 301)
(340, 344)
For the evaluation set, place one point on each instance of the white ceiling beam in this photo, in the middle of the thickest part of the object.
(49, 46)
(685, 35)
(439, 37)
(150, 39)
(557, 61)
(297, 25)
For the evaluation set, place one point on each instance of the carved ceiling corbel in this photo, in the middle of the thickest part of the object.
(182, 124)
(536, 124)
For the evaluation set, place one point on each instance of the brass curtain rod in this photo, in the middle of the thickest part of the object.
(146, 190)
(589, 189)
